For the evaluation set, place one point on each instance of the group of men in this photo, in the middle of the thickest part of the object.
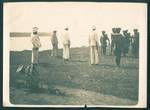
(54, 41)
(119, 44)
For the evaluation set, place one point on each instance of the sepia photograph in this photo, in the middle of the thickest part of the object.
(72, 54)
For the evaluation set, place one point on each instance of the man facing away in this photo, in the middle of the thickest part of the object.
(54, 42)
(35, 40)
(118, 41)
(103, 40)
(66, 45)
(93, 44)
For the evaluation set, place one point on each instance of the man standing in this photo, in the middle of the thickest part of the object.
(54, 42)
(126, 42)
(118, 41)
(93, 43)
(135, 43)
(112, 39)
(103, 39)
(66, 45)
(36, 45)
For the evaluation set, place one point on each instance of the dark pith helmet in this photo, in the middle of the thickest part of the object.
(54, 31)
(103, 32)
(135, 30)
(114, 30)
(118, 30)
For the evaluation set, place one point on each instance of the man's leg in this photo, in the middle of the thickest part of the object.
(104, 50)
(35, 56)
(118, 58)
(96, 57)
(57, 50)
(92, 54)
(67, 52)
(64, 52)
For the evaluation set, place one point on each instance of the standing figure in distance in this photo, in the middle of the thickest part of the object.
(118, 41)
(66, 45)
(54, 42)
(135, 43)
(112, 39)
(36, 45)
(103, 41)
(126, 42)
(93, 44)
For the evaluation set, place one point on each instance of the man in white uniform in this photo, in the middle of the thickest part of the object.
(93, 44)
(66, 45)
(36, 45)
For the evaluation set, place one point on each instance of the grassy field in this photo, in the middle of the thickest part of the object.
(77, 82)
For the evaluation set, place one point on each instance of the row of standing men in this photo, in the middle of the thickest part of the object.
(119, 44)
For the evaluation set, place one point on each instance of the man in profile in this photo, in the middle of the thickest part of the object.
(35, 40)
(93, 44)
(54, 42)
(66, 44)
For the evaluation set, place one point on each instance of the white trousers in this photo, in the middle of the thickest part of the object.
(35, 55)
(94, 58)
(66, 51)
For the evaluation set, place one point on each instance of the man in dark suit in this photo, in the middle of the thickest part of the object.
(118, 41)
(103, 40)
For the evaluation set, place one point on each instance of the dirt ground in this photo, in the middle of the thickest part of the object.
(76, 82)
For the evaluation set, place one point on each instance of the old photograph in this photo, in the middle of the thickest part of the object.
(72, 54)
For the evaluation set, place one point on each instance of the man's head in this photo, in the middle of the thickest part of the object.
(66, 28)
(54, 31)
(35, 30)
(103, 32)
(118, 30)
(135, 30)
(93, 28)
(114, 30)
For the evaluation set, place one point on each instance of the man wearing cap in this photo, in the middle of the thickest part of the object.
(135, 43)
(118, 41)
(54, 42)
(103, 40)
(66, 45)
(35, 40)
(93, 44)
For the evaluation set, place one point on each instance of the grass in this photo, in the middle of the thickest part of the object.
(77, 82)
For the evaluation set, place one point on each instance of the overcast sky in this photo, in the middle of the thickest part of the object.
(79, 17)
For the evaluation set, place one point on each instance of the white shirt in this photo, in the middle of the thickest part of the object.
(65, 38)
(93, 38)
